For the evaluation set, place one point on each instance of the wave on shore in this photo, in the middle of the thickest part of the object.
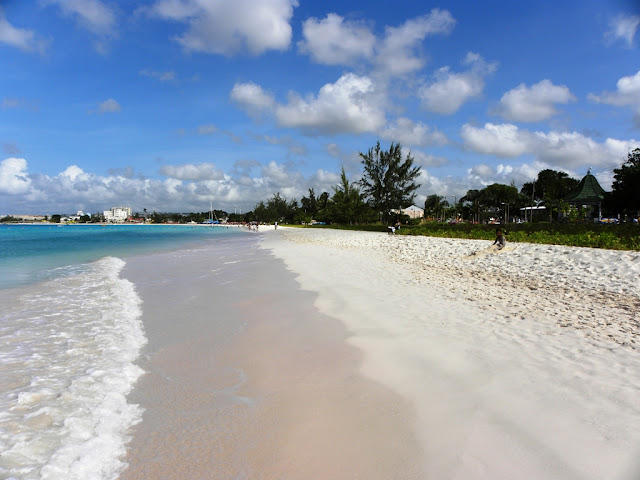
(67, 348)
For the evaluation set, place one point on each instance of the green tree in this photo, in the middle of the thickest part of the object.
(310, 204)
(474, 199)
(550, 187)
(158, 217)
(625, 190)
(323, 200)
(497, 198)
(434, 205)
(55, 218)
(388, 182)
(347, 204)
(260, 212)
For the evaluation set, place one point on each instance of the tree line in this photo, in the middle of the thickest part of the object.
(389, 184)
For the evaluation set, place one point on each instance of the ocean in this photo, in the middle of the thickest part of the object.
(70, 335)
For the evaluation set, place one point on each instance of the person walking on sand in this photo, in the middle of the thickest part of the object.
(500, 240)
(276, 226)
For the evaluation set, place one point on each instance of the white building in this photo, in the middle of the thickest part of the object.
(117, 214)
(414, 212)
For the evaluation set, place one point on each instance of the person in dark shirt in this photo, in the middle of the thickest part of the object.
(500, 240)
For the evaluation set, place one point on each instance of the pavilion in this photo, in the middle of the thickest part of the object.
(588, 193)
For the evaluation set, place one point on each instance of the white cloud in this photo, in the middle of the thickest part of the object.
(564, 150)
(334, 41)
(23, 39)
(535, 103)
(226, 28)
(252, 98)
(626, 95)
(73, 172)
(622, 27)
(449, 91)
(398, 53)
(109, 106)
(94, 15)
(573, 150)
(203, 171)
(504, 140)
(351, 105)
(14, 179)
(410, 134)
(187, 187)
(481, 175)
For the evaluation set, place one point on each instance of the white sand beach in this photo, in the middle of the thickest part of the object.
(355, 355)
(520, 364)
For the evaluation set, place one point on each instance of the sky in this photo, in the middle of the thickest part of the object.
(169, 105)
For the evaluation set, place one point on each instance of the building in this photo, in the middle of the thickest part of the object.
(117, 214)
(588, 194)
(413, 211)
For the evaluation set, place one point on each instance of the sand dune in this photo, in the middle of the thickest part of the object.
(520, 364)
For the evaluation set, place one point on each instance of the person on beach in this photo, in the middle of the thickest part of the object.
(276, 226)
(500, 240)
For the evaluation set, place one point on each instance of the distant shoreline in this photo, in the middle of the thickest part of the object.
(105, 224)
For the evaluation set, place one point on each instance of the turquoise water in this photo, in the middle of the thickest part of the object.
(33, 253)
(71, 332)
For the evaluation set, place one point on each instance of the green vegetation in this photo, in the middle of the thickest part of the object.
(388, 183)
(625, 194)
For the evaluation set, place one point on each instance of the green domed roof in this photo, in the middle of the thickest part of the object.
(589, 191)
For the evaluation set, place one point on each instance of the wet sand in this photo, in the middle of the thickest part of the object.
(246, 379)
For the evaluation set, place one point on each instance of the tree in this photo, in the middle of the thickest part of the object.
(473, 197)
(434, 205)
(347, 204)
(625, 190)
(310, 203)
(323, 199)
(388, 182)
(550, 186)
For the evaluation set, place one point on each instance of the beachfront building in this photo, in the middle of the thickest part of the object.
(412, 212)
(588, 195)
(117, 214)
(25, 218)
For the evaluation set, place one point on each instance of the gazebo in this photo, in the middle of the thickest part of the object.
(589, 192)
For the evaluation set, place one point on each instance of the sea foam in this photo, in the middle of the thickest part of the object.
(67, 353)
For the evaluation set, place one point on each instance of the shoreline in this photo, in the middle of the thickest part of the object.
(262, 387)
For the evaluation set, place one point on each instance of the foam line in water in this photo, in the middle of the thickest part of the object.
(68, 349)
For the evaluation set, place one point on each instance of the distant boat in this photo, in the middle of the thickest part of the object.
(212, 214)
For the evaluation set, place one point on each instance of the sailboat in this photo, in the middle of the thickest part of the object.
(212, 215)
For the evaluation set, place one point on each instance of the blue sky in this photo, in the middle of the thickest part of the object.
(171, 104)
